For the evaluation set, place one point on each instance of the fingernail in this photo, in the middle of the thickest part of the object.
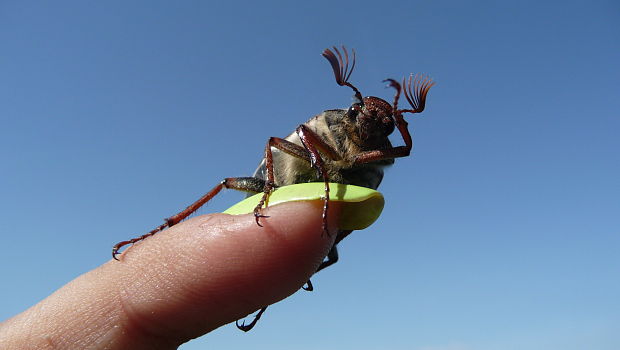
(361, 206)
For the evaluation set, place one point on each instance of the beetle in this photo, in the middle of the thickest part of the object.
(347, 146)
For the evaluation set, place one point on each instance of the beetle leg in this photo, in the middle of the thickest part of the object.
(308, 286)
(246, 184)
(381, 154)
(390, 153)
(313, 143)
(251, 325)
(287, 147)
(332, 258)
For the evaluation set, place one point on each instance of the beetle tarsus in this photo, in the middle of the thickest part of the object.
(115, 252)
(258, 216)
(247, 184)
(116, 249)
(325, 209)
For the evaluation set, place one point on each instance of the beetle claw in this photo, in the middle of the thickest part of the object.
(115, 253)
(308, 286)
(243, 327)
(257, 216)
(250, 325)
(117, 247)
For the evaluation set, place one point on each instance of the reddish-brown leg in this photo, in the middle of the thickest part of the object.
(287, 147)
(247, 184)
(310, 152)
(380, 154)
(313, 143)
(390, 153)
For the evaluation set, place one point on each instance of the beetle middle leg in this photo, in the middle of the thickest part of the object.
(287, 147)
(332, 258)
(312, 144)
(246, 184)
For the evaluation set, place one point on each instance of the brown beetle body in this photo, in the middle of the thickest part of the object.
(347, 146)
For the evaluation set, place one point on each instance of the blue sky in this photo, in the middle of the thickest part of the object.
(501, 231)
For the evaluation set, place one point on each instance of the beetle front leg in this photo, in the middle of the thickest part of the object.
(381, 154)
(246, 184)
(313, 143)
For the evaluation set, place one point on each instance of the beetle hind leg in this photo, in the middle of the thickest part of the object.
(269, 184)
(246, 184)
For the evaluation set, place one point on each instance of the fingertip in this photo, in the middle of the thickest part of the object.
(215, 269)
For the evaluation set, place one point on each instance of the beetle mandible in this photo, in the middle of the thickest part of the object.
(347, 146)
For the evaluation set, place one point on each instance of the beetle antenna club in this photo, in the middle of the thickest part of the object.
(417, 95)
(341, 68)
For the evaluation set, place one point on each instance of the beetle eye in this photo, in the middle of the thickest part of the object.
(354, 110)
(351, 113)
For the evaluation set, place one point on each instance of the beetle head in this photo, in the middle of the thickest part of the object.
(374, 118)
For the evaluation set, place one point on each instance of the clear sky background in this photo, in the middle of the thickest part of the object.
(501, 231)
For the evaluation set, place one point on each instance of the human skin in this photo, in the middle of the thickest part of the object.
(181, 283)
